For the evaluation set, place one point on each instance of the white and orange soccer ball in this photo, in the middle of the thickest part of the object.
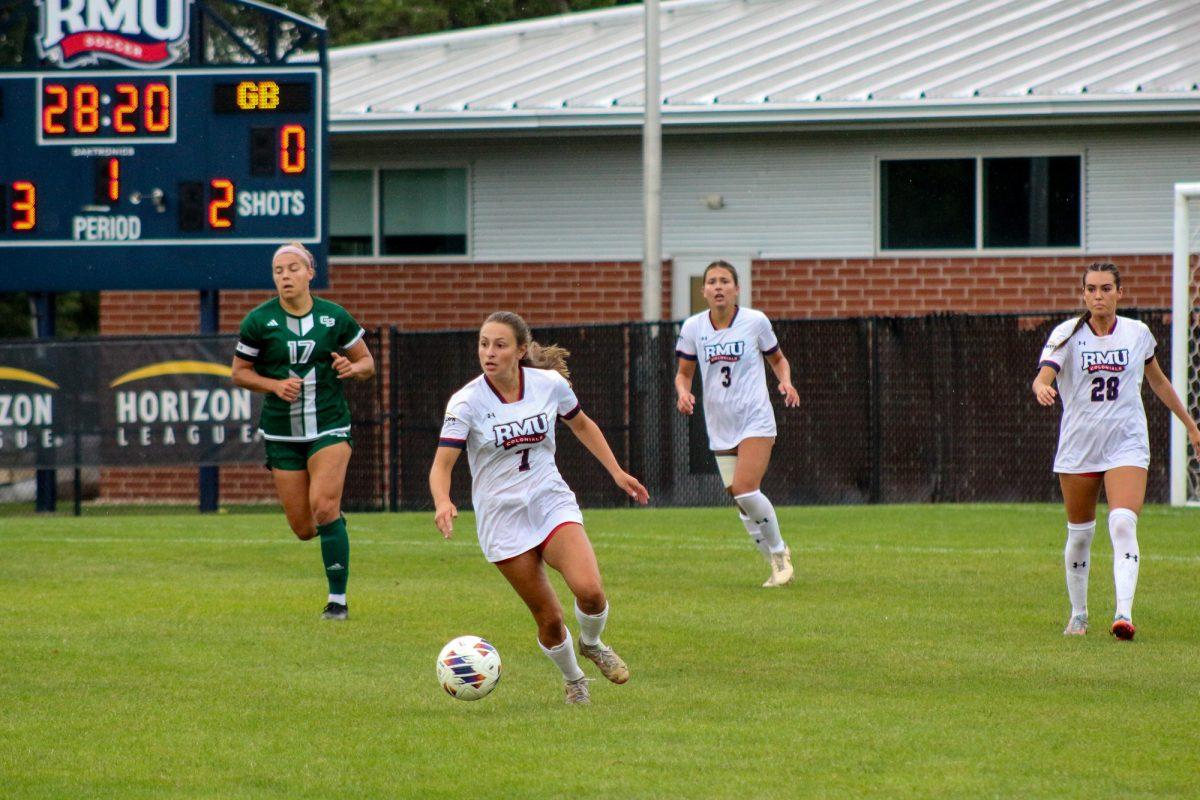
(468, 668)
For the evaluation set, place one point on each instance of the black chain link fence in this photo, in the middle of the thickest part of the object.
(915, 409)
(892, 410)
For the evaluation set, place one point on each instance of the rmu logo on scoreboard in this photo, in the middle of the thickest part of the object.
(138, 33)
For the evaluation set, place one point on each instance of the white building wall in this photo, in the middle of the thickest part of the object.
(800, 195)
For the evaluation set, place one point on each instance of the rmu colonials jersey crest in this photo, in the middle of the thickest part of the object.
(137, 33)
(736, 404)
(516, 489)
(1100, 382)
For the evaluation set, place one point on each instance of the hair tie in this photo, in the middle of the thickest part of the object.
(294, 250)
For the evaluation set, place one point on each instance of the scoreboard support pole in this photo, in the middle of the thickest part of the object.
(47, 479)
(210, 476)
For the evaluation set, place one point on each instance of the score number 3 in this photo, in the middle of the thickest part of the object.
(23, 205)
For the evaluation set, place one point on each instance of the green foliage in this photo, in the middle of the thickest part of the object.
(76, 314)
(359, 21)
(919, 654)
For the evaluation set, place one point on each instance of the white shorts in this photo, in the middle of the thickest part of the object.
(724, 434)
(1078, 457)
(515, 527)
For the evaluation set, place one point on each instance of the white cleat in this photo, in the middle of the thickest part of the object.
(611, 665)
(1077, 626)
(781, 569)
(577, 692)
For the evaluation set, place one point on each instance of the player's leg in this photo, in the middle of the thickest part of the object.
(528, 577)
(1080, 493)
(291, 485)
(327, 476)
(753, 457)
(727, 467)
(570, 552)
(1125, 488)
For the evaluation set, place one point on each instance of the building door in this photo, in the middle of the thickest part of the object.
(687, 271)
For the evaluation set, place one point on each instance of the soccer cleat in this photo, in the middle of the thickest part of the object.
(1077, 626)
(1122, 628)
(781, 568)
(611, 665)
(577, 692)
(335, 611)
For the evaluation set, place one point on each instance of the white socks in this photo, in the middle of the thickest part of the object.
(1122, 527)
(758, 508)
(337, 598)
(756, 535)
(564, 656)
(1077, 556)
(591, 626)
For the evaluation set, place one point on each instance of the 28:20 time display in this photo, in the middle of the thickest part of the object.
(86, 110)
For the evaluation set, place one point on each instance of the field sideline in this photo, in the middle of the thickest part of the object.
(918, 654)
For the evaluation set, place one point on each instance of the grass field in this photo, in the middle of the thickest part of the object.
(918, 654)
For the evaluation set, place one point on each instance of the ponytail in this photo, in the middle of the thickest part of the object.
(548, 357)
(1079, 323)
(536, 355)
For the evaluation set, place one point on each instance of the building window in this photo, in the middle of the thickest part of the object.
(1027, 202)
(1031, 202)
(423, 212)
(350, 214)
(928, 204)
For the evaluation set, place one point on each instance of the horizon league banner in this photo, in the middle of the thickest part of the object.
(125, 403)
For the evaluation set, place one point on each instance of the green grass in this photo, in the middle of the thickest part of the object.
(918, 654)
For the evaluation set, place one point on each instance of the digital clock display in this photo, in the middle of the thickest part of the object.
(179, 178)
(106, 109)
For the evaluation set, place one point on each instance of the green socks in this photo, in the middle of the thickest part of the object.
(335, 552)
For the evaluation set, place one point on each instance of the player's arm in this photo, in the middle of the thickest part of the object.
(1161, 385)
(685, 401)
(589, 433)
(1042, 387)
(357, 364)
(439, 486)
(245, 376)
(783, 372)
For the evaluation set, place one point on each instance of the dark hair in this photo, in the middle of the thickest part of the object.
(1099, 266)
(719, 264)
(537, 356)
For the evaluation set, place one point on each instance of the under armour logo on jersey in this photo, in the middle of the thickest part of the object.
(272, 324)
(328, 322)
(1130, 556)
(1104, 361)
(528, 431)
(724, 351)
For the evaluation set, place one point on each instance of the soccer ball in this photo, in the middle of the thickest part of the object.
(468, 668)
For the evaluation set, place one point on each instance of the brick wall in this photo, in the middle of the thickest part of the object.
(870, 287)
(451, 296)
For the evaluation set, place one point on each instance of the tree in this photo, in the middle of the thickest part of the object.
(359, 21)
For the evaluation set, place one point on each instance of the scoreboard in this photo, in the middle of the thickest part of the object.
(162, 179)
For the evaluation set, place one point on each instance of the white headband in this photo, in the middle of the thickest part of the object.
(298, 251)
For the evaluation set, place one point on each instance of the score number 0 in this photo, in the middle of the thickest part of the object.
(293, 160)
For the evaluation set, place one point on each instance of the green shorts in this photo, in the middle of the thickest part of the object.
(294, 456)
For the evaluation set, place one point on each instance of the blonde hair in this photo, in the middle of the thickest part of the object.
(536, 355)
(298, 249)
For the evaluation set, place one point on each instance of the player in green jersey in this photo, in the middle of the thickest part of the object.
(298, 349)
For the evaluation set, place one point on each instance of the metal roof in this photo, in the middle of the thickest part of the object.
(770, 61)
